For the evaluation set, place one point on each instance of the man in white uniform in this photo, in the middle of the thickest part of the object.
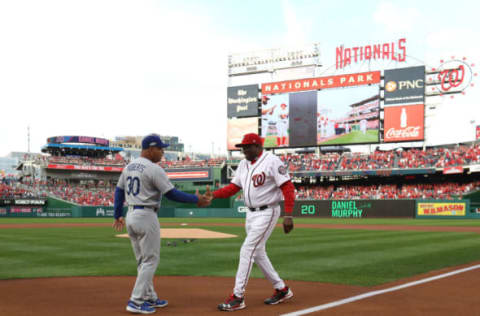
(363, 126)
(268, 120)
(263, 179)
(282, 124)
(142, 184)
(322, 122)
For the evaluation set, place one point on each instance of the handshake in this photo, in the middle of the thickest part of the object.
(204, 199)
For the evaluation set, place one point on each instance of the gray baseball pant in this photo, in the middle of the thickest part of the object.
(144, 231)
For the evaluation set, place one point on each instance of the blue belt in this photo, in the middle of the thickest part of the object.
(141, 207)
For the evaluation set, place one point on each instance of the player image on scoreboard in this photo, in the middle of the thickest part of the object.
(274, 120)
(348, 115)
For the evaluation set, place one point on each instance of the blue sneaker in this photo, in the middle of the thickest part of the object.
(157, 303)
(144, 308)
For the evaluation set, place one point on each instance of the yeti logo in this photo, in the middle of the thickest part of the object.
(100, 212)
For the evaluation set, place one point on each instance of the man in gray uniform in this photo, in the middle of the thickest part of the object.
(142, 184)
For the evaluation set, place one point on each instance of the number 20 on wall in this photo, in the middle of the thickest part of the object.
(308, 209)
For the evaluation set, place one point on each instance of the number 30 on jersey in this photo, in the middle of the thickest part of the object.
(133, 185)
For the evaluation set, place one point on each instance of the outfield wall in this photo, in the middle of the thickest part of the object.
(446, 209)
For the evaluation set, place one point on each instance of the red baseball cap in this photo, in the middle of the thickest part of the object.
(249, 139)
(265, 98)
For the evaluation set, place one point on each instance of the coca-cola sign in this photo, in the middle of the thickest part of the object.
(411, 131)
(404, 123)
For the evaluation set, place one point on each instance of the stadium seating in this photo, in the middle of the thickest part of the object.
(443, 191)
(437, 157)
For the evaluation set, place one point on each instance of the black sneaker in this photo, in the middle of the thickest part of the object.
(279, 296)
(232, 304)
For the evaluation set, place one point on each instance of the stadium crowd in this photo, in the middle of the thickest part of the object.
(438, 157)
(189, 163)
(92, 193)
(98, 193)
(15, 190)
(86, 161)
(443, 191)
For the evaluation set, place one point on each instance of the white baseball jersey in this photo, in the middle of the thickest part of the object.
(282, 125)
(268, 120)
(260, 181)
(282, 112)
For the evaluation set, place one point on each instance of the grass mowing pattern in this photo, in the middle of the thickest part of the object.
(371, 136)
(356, 257)
(206, 220)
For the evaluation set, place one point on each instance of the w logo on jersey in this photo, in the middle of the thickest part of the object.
(258, 179)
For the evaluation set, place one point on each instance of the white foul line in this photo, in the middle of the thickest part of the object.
(374, 293)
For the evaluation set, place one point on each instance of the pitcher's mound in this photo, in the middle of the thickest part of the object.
(188, 233)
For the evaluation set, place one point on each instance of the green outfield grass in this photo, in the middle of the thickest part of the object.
(270, 141)
(354, 137)
(356, 257)
(311, 220)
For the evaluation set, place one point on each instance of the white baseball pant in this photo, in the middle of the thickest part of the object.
(259, 226)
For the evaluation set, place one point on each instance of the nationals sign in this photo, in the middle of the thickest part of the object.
(321, 83)
(404, 123)
(395, 51)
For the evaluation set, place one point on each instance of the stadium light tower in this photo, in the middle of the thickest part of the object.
(28, 138)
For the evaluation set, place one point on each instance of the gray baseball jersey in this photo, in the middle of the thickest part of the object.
(144, 183)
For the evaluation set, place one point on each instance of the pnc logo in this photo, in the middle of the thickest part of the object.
(391, 86)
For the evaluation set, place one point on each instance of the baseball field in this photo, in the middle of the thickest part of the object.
(354, 137)
(79, 267)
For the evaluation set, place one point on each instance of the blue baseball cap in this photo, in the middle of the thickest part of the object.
(153, 140)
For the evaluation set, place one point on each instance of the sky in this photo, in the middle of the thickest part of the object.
(108, 68)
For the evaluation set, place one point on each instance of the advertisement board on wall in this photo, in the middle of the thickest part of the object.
(440, 208)
(78, 139)
(84, 168)
(404, 85)
(196, 174)
(453, 170)
(334, 81)
(354, 208)
(404, 123)
(236, 128)
(242, 101)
